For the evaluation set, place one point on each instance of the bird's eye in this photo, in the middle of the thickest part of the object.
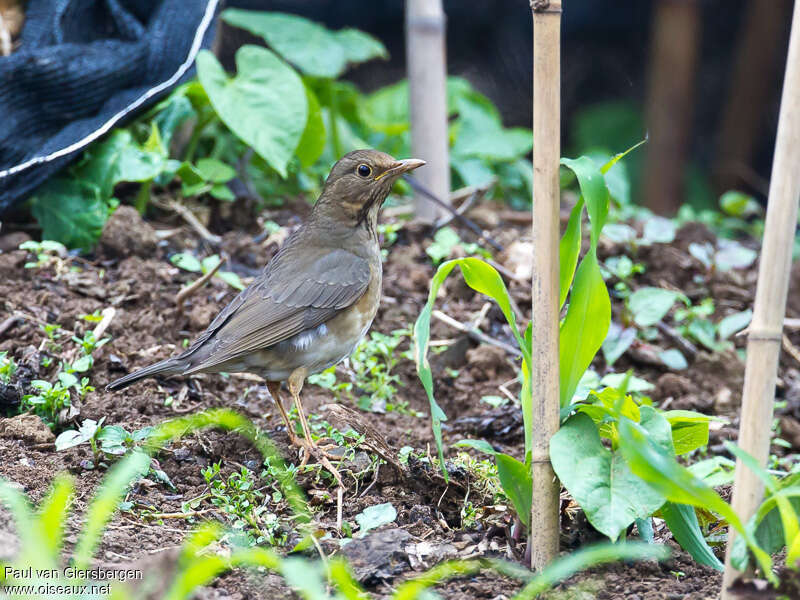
(364, 170)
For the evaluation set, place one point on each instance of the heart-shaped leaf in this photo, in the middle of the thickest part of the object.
(265, 104)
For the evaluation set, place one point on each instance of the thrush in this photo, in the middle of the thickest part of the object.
(314, 301)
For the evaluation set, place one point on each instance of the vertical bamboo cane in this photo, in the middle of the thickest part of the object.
(427, 87)
(764, 339)
(544, 536)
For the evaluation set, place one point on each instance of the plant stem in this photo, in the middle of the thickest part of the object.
(143, 196)
(191, 147)
(334, 119)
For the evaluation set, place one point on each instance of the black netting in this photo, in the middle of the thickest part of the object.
(80, 64)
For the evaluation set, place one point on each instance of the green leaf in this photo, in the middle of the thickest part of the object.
(569, 247)
(617, 342)
(594, 192)
(215, 171)
(481, 134)
(658, 230)
(715, 471)
(309, 46)
(479, 445)
(312, 143)
(53, 512)
(186, 261)
(567, 565)
(600, 480)
(265, 104)
(673, 359)
(734, 323)
(739, 204)
(664, 474)
(515, 477)
(360, 47)
(689, 429)
(119, 158)
(585, 326)
(682, 522)
(373, 517)
(483, 278)
(70, 211)
(649, 304)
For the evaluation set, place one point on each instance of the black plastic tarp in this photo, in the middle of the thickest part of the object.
(82, 68)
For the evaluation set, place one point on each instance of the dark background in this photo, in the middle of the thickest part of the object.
(607, 57)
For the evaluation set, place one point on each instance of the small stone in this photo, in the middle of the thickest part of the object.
(28, 428)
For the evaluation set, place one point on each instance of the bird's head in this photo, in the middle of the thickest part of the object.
(359, 183)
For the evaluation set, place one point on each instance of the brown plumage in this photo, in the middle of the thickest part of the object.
(314, 300)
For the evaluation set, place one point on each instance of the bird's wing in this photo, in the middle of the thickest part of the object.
(300, 289)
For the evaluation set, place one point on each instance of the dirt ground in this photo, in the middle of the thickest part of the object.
(132, 273)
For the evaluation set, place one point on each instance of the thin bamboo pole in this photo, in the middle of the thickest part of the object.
(427, 88)
(543, 541)
(764, 338)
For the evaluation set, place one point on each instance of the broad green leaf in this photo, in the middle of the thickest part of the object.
(481, 134)
(682, 522)
(658, 230)
(215, 171)
(649, 304)
(312, 143)
(715, 471)
(187, 262)
(359, 47)
(479, 445)
(734, 323)
(673, 359)
(594, 192)
(375, 516)
(569, 247)
(732, 255)
(309, 46)
(119, 158)
(664, 474)
(174, 111)
(619, 233)
(473, 171)
(265, 104)
(585, 326)
(611, 496)
(515, 477)
(70, 211)
(739, 204)
(617, 342)
(689, 429)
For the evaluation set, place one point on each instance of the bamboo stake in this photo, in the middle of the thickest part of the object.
(543, 541)
(764, 338)
(427, 88)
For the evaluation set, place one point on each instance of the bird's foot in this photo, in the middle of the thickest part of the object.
(321, 454)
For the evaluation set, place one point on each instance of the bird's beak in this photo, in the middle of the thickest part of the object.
(402, 166)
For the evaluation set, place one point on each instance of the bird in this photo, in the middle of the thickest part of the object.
(313, 302)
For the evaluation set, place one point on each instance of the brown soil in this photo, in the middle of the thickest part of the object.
(142, 284)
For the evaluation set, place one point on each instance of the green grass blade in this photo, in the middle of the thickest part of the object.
(682, 522)
(53, 513)
(105, 503)
(339, 574)
(569, 248)
(411, 589)
(585, 558)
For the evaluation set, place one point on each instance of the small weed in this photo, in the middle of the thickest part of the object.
(47, 252)
(48, 402)
(53, 332)
(7, 368)
(89, 344)
(244, 505)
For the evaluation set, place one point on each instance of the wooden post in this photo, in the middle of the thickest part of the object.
(427, 88)
(673, 57)
(764, 339)
(544, 536)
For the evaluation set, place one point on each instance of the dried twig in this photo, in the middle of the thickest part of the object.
(475, 334)
(190, 289)
(8, 324)
(472, 193)
(108, 315)
(790, 348)
(191, 220)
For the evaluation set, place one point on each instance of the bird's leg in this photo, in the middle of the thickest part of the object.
(296, 380)
(274, 388)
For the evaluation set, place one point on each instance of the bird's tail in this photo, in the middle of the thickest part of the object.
(169, 366)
